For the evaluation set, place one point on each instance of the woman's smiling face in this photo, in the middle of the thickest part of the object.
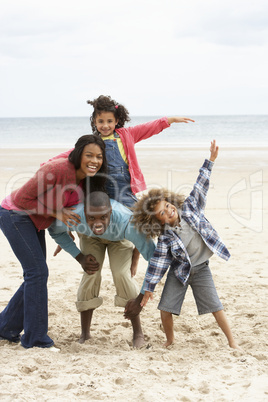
(91, 161)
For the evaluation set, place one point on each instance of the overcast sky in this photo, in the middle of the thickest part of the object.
(157, 57)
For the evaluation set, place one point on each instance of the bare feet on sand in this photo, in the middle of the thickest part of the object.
(235, 345)
(168, 343)
(138, 341)
(84, 337)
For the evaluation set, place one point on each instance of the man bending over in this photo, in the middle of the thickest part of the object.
(104, 224)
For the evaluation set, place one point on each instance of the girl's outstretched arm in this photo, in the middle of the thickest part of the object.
(179, 120)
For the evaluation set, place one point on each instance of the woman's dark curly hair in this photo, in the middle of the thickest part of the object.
(97, 182)
(143, 211)
(107, 104)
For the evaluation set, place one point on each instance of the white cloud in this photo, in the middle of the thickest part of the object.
(235, 23)
(155, 57)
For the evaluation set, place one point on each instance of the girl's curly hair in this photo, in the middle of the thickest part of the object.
(107, 104)
(143, 211)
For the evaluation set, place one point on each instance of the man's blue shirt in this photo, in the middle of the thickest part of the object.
(119, 228)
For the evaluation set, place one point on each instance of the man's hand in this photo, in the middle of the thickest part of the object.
(146, 297)
(58, 249)
(89, 263)
(133, 307)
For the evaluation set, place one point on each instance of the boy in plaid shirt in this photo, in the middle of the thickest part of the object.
(186, 242)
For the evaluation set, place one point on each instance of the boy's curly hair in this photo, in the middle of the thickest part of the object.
(107, 104)
(143, 211)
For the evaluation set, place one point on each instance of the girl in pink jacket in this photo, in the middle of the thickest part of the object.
(125, 177)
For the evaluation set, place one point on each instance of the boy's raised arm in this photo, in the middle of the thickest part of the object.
(214, 150)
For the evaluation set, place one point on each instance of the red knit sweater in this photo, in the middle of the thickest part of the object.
(46, 192)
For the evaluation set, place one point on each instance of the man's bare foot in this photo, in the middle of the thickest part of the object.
(83, 338)
(138, 341)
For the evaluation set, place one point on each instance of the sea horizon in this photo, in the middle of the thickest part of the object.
(62, 132)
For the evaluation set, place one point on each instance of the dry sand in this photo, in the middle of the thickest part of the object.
(200, 366)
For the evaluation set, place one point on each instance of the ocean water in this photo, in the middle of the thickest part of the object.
(62, 132)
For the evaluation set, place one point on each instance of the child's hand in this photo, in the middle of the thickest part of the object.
(146, 297)
(179, 120)
(135, 261)
(214, 149)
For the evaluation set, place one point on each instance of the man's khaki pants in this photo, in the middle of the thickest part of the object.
(120, 258)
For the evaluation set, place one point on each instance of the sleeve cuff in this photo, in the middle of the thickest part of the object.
(208, 164)
(166, 121)
(150, 287)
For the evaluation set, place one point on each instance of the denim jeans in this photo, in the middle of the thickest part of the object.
(118, 186)
(27, 309)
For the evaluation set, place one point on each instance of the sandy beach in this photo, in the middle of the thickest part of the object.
(200, 366)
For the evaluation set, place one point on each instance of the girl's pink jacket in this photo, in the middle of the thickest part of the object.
(130, 136)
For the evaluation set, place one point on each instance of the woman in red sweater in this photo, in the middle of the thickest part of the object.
(24, 215)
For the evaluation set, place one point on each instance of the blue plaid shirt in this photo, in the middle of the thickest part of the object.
(170, 250)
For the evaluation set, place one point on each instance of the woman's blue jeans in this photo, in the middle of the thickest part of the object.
(27, 309)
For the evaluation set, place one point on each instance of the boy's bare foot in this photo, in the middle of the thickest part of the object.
(235, 345)
(168, 343)
(138, 341)
(83, 338)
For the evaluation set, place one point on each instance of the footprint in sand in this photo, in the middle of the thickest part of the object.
(28, 369)
(260, 356)
(122, 381)
(204, 388)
